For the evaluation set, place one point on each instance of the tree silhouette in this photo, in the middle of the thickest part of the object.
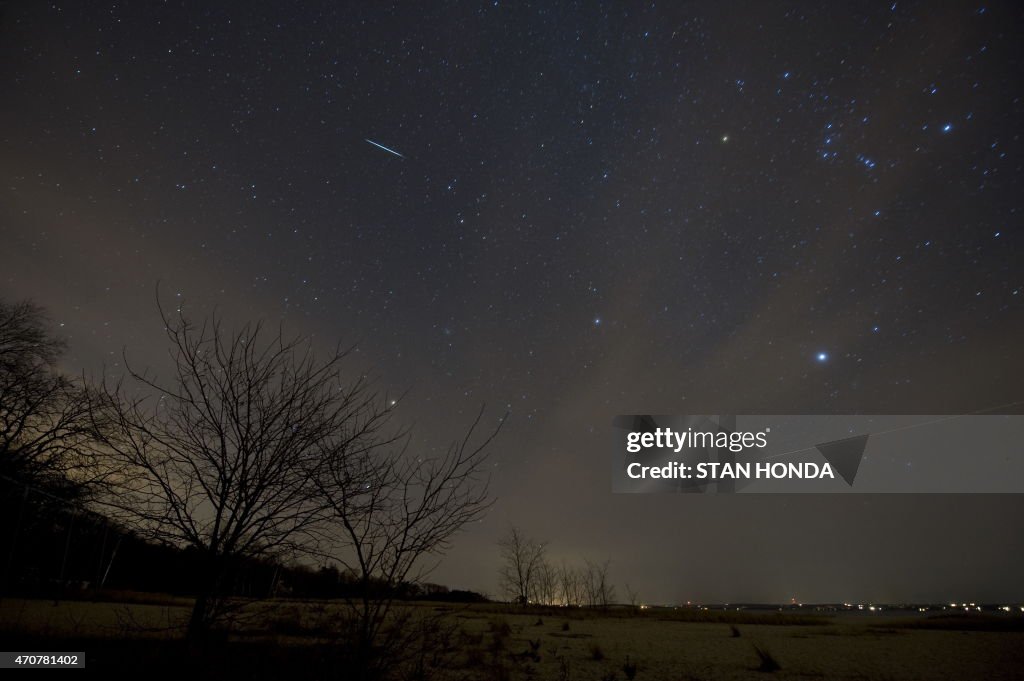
(222, 456)
(389, 511)
(45, 432)
(522, 561)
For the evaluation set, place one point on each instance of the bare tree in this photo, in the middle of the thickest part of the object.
(600, 592)
(546, 584)
(221, 457)
(633, 597)
(389, 512)
(570, 584)
(522, 558)
(45, 433)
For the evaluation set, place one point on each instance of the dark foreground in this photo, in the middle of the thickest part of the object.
(290, 641)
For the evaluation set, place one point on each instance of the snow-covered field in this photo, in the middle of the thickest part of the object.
(483, 642)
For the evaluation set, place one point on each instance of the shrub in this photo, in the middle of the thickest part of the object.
(629, 669)
(768, 663)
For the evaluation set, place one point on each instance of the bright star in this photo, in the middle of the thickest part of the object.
(822, 356)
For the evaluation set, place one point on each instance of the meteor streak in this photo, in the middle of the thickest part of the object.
(381, 146)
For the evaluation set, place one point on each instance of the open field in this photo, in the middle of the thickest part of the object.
(490, 642)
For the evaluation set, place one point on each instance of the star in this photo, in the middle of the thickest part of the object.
(525, 200)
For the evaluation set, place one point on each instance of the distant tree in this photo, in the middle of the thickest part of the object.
(600, 591)
(522, 559)
(633, 596)
(465, 596)
(389, 511)
(222, 456)
(45, 432)
(570, 584)
(546, 584)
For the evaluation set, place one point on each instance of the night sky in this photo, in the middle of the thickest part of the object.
(597, 209)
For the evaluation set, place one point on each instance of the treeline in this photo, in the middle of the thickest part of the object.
(254, 453)
(56, 548)
(528, 576)
(330, 582)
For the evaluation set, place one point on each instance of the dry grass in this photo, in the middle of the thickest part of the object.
(487, 642)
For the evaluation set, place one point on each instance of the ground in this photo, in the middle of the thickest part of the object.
(489, 642)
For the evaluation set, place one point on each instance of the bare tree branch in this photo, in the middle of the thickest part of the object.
(45, 431)
(223, 456)
(390, 513)
(523, 559)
